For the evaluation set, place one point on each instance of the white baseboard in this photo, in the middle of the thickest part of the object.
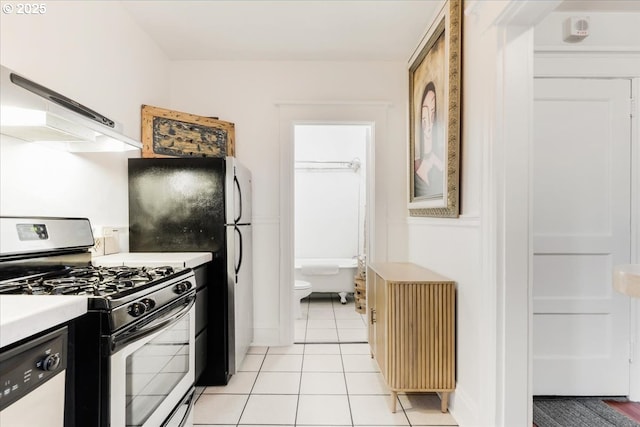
(634, 368)
(464, 409)
(634, 392)
(266, 337)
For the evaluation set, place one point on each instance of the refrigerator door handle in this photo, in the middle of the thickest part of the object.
(239, 263)
(237, 184)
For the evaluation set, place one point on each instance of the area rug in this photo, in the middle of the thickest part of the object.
(577, 412)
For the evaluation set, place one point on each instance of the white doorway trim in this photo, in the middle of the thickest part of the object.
(506, 201)
(512, 212)
(372, 114)
(634, 392)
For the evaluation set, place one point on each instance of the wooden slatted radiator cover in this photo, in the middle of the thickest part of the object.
(412, 328)
(421, 336)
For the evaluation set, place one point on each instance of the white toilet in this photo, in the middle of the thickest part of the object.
(302, 289)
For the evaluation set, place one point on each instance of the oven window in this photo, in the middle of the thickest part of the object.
(154, 370)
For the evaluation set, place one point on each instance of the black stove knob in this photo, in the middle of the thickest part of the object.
(51, 362)
(182, 287)
(137, 308)
(148, 303)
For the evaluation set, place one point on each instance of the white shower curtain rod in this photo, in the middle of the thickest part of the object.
(324, 165)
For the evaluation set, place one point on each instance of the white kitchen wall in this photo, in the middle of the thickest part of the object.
(41, 181)
(91, 52)
(247, 93)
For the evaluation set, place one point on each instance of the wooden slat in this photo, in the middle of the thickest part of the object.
(416, 346)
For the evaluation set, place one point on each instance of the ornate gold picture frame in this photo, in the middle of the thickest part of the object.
(435, 78)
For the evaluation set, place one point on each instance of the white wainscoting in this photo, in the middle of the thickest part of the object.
(266, 281)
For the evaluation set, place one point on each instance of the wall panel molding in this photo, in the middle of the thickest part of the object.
(586, 64)
(265, 220)
(462, 221)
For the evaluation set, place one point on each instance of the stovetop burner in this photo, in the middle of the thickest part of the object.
(89, 280)
(51, 256)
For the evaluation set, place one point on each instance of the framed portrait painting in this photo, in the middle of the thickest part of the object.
(434, 117)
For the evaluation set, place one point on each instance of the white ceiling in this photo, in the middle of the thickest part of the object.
(285, 30)
(326, 30)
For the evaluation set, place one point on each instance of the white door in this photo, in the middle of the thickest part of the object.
(581, 229)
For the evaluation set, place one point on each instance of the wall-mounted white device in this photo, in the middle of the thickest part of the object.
(576, 28)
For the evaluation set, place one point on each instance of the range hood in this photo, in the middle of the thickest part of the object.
(34, 113)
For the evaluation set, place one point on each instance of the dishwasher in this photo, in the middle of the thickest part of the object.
(32, 381)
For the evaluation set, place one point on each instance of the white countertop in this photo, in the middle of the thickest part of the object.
(24, 315)
(153, 259)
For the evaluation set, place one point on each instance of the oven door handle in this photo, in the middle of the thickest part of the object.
(188, 401)
(137, 332)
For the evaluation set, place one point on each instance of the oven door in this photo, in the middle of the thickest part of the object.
(153, 367)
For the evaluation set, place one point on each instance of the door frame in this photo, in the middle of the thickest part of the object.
(506, 200)
(611, 65)
(373, 114)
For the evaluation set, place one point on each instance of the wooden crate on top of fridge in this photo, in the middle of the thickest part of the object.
(168, 133)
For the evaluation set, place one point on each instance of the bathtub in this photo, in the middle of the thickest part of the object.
(328, 274)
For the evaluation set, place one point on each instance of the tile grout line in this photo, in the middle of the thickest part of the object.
(334, 301)
(304, 353)
(403, 410)
(335, 322)
(304, 350)
(264, 357)
(306, 324)
(346, 385)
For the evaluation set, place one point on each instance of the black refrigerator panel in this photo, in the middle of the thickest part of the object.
(176, 205)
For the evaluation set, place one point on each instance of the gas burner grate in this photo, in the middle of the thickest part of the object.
(89, 280)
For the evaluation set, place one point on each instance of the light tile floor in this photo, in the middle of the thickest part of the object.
(312, 385)
(325, 319)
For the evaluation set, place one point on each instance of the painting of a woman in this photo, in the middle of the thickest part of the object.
(434, 118)
(428, 163)
(428, 136)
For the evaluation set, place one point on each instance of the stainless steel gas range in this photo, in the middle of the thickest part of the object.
(133, 353)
